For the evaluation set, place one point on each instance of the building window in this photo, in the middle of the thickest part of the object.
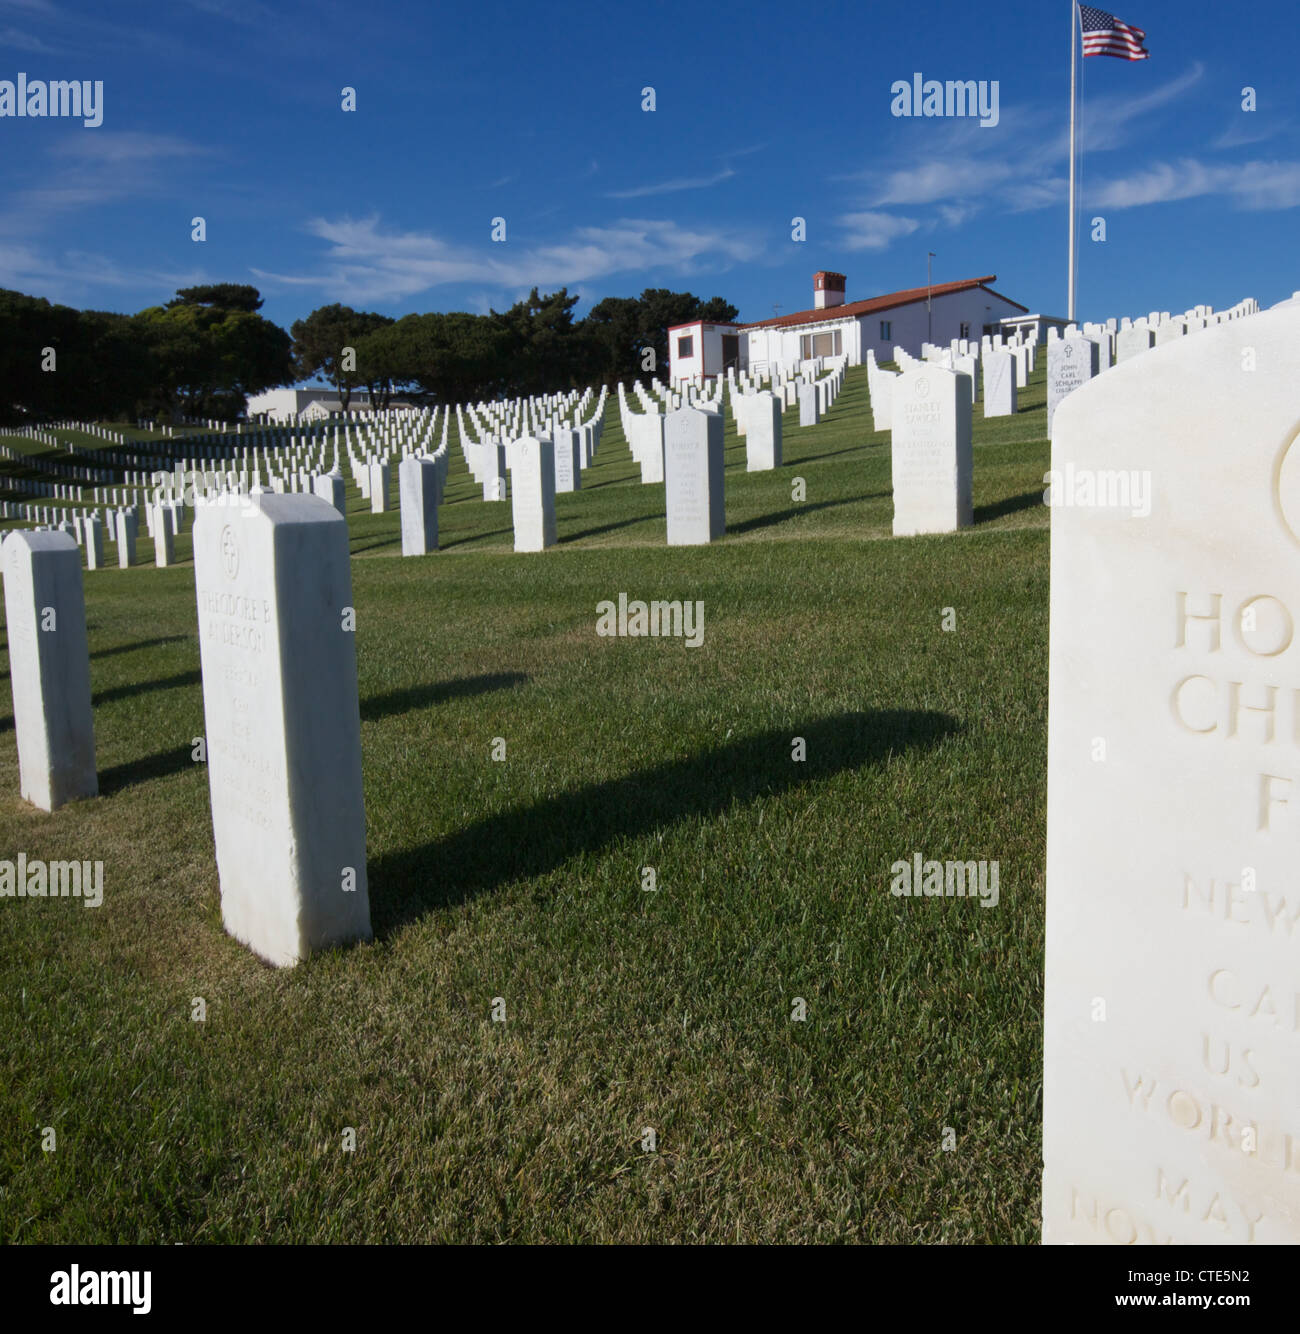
(820, 345)
(965, 331)
(886, 331)
(685, 348)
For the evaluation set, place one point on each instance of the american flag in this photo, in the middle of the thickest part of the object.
(1105, 35)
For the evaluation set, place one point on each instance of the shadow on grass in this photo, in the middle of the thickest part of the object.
(193, 678)
(140, 643)
(444, 545)
(162, 765)
(1011, 505)
(610, 527)
(530, 841)
(781, 516)
(589, 485)
(829, 454)
(421, 697)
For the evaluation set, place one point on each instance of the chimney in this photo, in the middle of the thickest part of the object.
(828, 290)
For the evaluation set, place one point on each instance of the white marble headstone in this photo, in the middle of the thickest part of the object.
(532, 493)
(1171, 1091)
(380, 481)
(282, 721)
(1071, 362)
(999, 383)
(126, 534)
(763, 441)
(1137, 338)
(417, 488)
(930, 451)
(694, 499)
(568, 459)
(330, 487)
(164, 541)
(49, 668)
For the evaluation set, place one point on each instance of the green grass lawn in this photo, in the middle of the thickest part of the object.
(625, 1009)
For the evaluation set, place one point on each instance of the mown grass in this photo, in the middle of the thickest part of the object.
(626, 1009)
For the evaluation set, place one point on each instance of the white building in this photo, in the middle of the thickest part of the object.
(1034, 324)
(291, 405)
(834, 327)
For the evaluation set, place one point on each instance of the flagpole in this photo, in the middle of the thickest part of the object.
(1074, 40)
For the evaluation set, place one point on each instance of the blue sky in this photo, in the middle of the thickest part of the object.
(230, 110)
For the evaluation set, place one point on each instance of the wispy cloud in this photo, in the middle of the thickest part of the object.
(366, 263)
(1017, 167)
(932, 181)
(874, 231)
(671, 187)
(22, 41)
(121, 146)
(1250, 185)
(91, 170)
(69, 275)
(1247, 129)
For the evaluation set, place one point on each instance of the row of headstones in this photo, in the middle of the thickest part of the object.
(781, 379)
(572, 451)
(514, 418)
(574, 447)
(295, 470)
(1078, 355)
(928, 409)
(692, 462)
(509, 417)
(757, 415)
(1005, 370)
(398, 428)
(644, 431)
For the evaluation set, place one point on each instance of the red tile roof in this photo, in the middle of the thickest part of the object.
(850, 309)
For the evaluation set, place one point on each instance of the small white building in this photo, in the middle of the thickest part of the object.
(834, 327)
(291, 405)
(1033, 324)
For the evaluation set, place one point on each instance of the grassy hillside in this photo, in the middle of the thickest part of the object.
(626, 1009)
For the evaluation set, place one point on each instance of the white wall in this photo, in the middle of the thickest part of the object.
(682, 368)
(279, 403)
(285, 404)
(706, 352)
(909, 327)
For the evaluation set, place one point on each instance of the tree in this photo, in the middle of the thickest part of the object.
(617, 335)
(225, 296)
(547, 350)
(621, 328)
(320, 344)
(207, 358)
